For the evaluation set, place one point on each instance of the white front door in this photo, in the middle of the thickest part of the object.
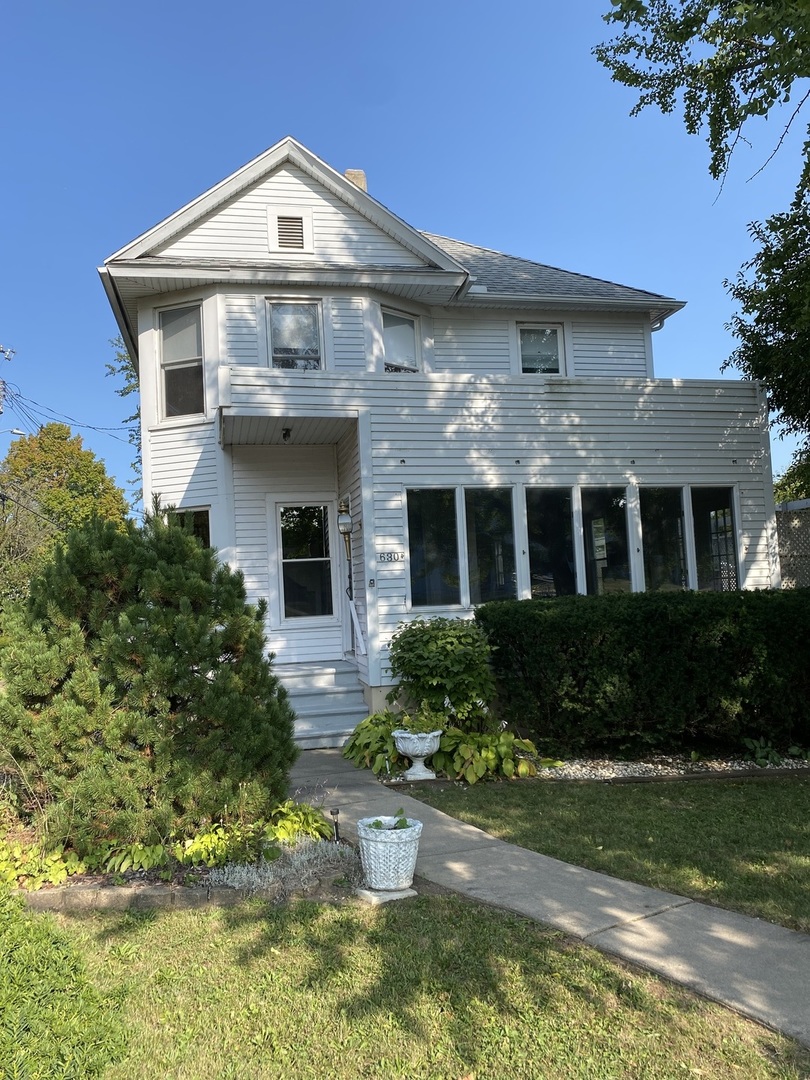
(308, 623)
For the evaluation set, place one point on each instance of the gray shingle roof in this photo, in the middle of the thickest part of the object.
(507, 275)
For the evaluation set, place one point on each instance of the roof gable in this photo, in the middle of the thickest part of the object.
(356, 229)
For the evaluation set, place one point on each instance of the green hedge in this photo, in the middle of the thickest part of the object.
(631, 674)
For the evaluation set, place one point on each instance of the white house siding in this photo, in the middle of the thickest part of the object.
(442, 430)
(239, 230)
(183, 464)
(479, 347)
(348, 333)
(609, 348)
(263, 475)
(241, 322)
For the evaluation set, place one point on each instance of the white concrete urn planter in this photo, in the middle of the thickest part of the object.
(388, 850)
(417, 745)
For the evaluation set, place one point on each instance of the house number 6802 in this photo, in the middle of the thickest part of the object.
(391, 556)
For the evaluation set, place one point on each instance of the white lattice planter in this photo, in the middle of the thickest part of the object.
(388, 854)
(417, 746)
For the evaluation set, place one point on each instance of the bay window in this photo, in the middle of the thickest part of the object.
(181, 360)
(399, 342)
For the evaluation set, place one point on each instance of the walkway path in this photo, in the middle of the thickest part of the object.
(759, 969)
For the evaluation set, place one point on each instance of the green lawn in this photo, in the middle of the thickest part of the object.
(428, 988)
(741, 844)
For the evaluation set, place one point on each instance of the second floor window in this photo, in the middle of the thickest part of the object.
(181, 361)
(295, 336)
(399, 342)
(540, 350)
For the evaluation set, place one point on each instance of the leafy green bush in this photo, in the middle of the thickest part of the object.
(29, 866)
(462, 755)
(291, 820)
(471, 756)
(55, 1023)
(652, 672)
(371, 745)
(422, 721)
(445, 663)
(136, 695)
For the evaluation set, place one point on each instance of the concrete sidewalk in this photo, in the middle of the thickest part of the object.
(759, 969)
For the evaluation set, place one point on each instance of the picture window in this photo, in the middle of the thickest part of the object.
(295, 336)
(540, 350)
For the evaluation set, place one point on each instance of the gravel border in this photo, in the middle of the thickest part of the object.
(669, 767)
(661, 768)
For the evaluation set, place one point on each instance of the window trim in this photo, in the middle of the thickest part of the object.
(276, 212)
(309, 301)
(534, 325)
(179, 365)
(417, 340)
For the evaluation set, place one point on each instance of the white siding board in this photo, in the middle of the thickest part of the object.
(342, 237)
(348, 333)
(241, 330)
(479, 346)
(184, 465)
(609, 349)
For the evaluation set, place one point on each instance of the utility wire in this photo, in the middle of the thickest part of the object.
(5, 497)
(22, 407)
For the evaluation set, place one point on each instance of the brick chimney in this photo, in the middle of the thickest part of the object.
(357, 176)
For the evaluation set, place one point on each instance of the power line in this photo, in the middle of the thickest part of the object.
(22, 407)
(5, 497)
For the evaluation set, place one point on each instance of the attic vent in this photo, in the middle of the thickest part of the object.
(291, 232)
(289, 229)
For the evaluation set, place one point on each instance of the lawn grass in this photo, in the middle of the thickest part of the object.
(740, 844)
(428, 988)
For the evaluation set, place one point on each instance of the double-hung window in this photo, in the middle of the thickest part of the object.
(181, 361)
(400, 342)
(295, 335)
(540, 349)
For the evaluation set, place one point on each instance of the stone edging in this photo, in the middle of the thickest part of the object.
(74, 898)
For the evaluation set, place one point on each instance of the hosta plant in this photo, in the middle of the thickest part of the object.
(472, 756)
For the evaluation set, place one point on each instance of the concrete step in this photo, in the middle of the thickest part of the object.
(309, 699)
(327, 699)
(320, 676)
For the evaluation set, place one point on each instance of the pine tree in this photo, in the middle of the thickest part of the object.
(139, 699)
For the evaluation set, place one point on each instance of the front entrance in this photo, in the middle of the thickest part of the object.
(307, 572)
(309, 622)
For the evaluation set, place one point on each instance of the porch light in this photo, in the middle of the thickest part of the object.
(345, 525)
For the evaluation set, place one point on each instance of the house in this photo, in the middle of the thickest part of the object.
(375, 424)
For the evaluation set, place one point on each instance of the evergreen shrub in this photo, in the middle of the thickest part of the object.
(137, 701)
(652, 672)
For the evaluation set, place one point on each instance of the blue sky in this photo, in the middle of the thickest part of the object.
(488, 123)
